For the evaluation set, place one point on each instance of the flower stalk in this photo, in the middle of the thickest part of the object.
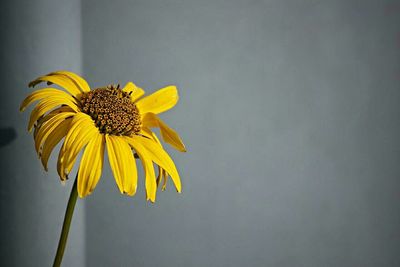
(66, 225)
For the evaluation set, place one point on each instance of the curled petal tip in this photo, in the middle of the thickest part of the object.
(151, 200)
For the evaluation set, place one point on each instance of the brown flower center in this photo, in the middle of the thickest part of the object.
(112, 110)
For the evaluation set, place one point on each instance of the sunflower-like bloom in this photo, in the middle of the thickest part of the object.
(107, 118)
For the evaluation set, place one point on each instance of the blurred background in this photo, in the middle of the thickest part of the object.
(289, 110)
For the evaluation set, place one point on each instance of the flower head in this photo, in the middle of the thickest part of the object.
(108, 118)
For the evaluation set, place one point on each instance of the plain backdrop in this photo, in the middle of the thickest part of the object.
(289, 111)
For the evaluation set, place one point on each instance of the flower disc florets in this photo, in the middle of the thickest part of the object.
(112, 110)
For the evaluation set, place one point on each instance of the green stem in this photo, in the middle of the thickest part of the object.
(67, 222)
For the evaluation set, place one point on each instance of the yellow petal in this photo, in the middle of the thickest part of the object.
(165, 175)
(159, 176)
(60, 163)
(46, 105)
(82, 84)
(60, 80)
(122, 164)
(157, 154)
(57, 134)
(48, 116)
(91, 165)
(60, 110)
(159, 101)
(44, 93)
(146, 132)
(135, 91)
(81, 132)
(150, 180)
(168, 134)
(162, 176)
(161, 173)
(49, 127)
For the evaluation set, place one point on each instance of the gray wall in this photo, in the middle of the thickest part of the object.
(36, 37)
(290, 112)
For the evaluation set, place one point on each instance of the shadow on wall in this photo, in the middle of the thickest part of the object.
(7, 135)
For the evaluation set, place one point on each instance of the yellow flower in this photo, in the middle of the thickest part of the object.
(107, 118)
